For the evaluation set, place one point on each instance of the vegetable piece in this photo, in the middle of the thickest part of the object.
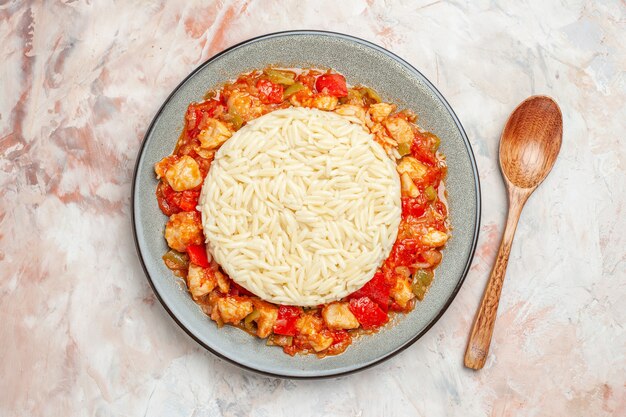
(189, 200)
(368, 313)
(279, 340)
(269, 93)
(377, 289)
(280, 77)
(249, 321)
(197, 255)
(414, 206)
(292, 89)
(333, 84)
(175, 260)
(371, 94)
(286, 321)
(422, 279)
(404, 149)
(166, 197)
(236, 118)
(430, 192)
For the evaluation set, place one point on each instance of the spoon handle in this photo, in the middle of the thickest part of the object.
(480, 337)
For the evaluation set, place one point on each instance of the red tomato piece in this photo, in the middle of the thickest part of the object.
(334, 84)
(197, 255)
(286, 322)
(377, 289)
(189, 200)
(414, 206)
(269, 93)
(166, 199)
(404, 253)
(368, 313)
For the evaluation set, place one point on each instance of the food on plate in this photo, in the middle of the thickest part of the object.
(321, 206)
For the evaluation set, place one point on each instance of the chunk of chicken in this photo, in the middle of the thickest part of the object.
(161, 167)
(200, 281)
(411, 166)
(399, 129)
(407, 186)
(234, 309)
(309, 324)
(320, 341)
(338, 316)
(324, 102)
(379, 111)
(184, 229)
(184, 174)
(222, 282)
(247, 106)
(356, 113)
(267, 318)
(215, 134)
(434, 238)
(401, 292)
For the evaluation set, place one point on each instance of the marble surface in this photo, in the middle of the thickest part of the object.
(81, 331)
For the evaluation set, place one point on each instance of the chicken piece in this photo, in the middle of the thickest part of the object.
(324, 102)
(382, 137)
(184, 174)
(411, 166)
(407, 186)
(352, 111)
(267, 318)
(200, 281)
(338, 316)
(302, 98)
(434, 238)
(380, 111)
(215, 134)
(222, 282)
(234, 309)
(161, 167)
(245, 105)
(184, 229)
(309, 324)
(399, 129)
(401, 292)
(320, 341)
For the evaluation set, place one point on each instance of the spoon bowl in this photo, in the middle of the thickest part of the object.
(531, 141)
(529, 145)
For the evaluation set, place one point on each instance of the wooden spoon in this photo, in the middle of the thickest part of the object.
(529, 145)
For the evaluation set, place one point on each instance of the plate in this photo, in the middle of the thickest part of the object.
(397, 82)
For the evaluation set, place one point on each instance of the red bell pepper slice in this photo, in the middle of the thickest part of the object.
(197, 255)
(269, 93)
(333, 84)
(377, 289)
(286, 321)
(368, 313)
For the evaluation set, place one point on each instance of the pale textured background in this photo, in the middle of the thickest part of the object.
(81, 332)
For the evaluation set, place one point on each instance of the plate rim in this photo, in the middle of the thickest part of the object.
(468, 148)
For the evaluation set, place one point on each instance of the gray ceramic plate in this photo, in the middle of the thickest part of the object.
(361, 62)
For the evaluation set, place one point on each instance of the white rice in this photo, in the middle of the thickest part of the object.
(301, 206)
